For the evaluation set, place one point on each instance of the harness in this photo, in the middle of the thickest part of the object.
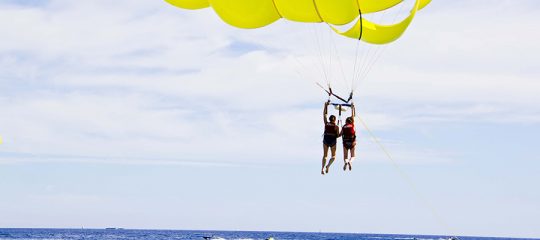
(330, 129)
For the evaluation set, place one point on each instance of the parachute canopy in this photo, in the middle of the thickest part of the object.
(259, 13)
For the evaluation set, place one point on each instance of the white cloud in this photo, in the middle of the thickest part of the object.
(147, 80)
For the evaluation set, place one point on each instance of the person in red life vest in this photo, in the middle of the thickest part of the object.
(331, 133)
(348, 135)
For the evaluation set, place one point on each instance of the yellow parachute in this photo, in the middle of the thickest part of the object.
(259, 13)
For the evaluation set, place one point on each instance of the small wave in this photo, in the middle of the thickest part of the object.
(213, 238)
(31, 238)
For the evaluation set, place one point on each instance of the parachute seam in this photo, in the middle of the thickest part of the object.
(361, 22)
(277, 9)
(317, 11)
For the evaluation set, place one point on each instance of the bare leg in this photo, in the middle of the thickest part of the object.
(353, 154)
(345, 157)
(333, 149)
(345, 163)
(325, 153)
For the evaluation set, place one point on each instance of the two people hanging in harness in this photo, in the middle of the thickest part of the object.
(332, 133)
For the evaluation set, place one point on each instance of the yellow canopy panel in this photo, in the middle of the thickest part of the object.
(381, 34)
(259, 13)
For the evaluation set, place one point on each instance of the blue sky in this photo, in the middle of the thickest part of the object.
(141, 115)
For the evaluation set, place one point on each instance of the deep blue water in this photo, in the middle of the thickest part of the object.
(102, 234)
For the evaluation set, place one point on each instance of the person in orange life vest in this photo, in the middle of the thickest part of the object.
(348, 135)
(331, 133)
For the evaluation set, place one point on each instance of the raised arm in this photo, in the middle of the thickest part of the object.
(353, 110)
(325, 112)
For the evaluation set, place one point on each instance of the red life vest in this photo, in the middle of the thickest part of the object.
(348, 131)
(330, 129)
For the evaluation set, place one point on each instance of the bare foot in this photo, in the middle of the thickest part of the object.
(327, 169)
(350, 167)
(322, 171)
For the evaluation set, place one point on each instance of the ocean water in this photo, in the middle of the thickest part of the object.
(121, 234)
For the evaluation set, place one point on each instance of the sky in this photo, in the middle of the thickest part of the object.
(137, 114)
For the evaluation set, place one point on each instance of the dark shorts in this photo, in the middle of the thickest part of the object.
(348, 143)
(330, 141)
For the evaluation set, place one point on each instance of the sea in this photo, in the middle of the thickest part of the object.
(129, 234)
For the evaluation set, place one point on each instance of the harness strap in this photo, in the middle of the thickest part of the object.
(339, 119)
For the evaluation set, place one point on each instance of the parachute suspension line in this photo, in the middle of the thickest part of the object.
(378, 54)
(299, 72)
(382, 49)
(299, 64)
(320, 58)
(353, 80)
(354, 66)
(338, 58)
(322, 63)
(329, 62)
(365, 47)
(326, 60)
(378, 51)
(407, 179)
(329, 91)
(303, 66)
(364, 62)
(327, 68)
(360, 18)
(374, 57)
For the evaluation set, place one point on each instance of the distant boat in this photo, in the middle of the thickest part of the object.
(112, 228)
